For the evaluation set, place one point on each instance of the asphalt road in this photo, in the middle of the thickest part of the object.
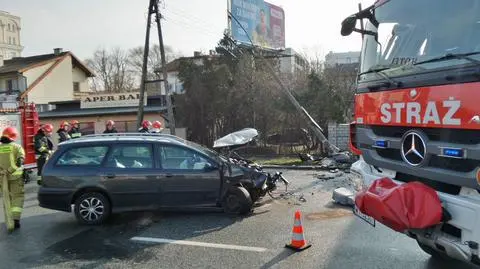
(50, 239)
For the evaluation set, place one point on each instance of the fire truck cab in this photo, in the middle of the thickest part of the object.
(24, 117)
(417, 112)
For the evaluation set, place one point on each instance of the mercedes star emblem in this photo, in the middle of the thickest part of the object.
(475, 119)
(414, 150)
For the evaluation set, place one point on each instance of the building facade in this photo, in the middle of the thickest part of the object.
(94, 110)
(44, 79)
(10, 43)
(342, 58)
(292, 62)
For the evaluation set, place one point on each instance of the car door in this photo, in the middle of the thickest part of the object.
(129, 175)
(186, 184)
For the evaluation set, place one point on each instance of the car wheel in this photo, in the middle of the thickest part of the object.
(434, 253)
(238, 201)
(92, 208)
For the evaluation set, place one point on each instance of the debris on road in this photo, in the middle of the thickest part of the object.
(344, 196)
(329, 214)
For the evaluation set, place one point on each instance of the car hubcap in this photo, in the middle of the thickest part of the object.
(91, 209)
(232, 202)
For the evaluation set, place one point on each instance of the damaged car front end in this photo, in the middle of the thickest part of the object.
(244, 172)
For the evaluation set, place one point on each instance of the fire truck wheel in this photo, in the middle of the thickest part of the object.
(436, 254)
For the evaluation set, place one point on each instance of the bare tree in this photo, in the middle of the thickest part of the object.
(112, 70)
(154, 59)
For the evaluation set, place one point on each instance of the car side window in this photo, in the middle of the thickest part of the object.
(178, 158)
(130, 156)
(88, 156)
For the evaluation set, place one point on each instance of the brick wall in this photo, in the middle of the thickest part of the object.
(339, 135)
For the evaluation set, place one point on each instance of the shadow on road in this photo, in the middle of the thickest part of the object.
(50, 240)
(280, 257)
(362, 246)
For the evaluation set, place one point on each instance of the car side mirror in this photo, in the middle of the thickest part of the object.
(348, 25)
(209, 167)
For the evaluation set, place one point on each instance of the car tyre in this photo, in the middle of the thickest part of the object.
(92, 208)
(434, 253)
(237, 201)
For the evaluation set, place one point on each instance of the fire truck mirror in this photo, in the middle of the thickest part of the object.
(348, 25)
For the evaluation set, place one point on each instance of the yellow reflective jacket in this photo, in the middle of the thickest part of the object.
(9, 154)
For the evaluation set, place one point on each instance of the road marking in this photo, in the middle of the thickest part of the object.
(198, 244)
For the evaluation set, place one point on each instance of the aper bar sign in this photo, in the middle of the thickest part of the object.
(128, 99)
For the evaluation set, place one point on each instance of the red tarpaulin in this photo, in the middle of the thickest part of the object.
(408, 206)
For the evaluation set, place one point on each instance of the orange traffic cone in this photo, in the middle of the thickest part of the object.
(298, 238)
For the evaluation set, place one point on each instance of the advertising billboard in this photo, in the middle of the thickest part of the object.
(264, 23)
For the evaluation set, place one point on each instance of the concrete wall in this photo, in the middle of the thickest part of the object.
(57, 86)
(339, 135)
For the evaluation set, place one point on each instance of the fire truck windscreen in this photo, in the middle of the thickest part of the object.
(412, 31)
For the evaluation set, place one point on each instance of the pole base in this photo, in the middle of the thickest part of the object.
(298, 249)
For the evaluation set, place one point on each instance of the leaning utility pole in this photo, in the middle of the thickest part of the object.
(171, 118)
(146, 48)
(153, 9)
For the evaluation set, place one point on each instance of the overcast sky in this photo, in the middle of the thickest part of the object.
(81, 26)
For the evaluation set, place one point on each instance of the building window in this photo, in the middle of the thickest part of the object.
(76, 87)
(9, 29)
(9, 39)
(13, 28)
(11, 86)
(14, 41)
(87, 128)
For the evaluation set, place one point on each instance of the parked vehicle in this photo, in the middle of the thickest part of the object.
(111, 173)
(417, 120)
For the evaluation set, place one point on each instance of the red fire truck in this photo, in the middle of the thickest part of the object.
(417, 122)
(24, 117)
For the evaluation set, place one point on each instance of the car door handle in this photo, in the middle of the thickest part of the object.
(109, 176)
(168, 175)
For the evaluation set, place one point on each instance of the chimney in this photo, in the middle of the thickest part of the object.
(197, 53)
(57, 51)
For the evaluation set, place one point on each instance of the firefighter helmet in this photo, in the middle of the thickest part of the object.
(47, 128)
(10, 133)
(110, 123)
(74, 122)
(146, 124)
(63, 124)
(156, 124)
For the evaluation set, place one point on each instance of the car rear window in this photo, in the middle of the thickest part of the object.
(91, 156)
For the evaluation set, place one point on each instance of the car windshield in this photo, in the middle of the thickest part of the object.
(407, 36)
(210, 153)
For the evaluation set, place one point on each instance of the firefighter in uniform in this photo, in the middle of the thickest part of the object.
(75, 130)
(63, 132)
(156, 127)
(145, 127)
(12, 157)
(43, 146)
(110, 127)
